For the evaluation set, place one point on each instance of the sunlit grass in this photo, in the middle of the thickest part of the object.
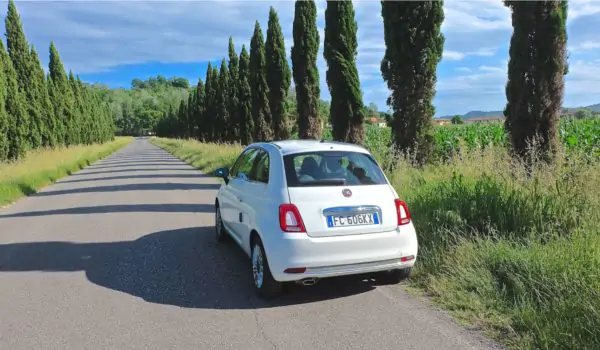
(43, 167)
(515, 254)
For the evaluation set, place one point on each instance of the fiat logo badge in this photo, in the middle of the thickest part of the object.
(346, 192)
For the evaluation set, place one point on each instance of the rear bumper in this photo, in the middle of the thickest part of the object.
(341, 255)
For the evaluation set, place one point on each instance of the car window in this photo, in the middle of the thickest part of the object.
(332, 168)
(234, 169)
(261, 169)
(245, 167)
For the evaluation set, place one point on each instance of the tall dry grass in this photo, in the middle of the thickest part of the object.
(42, 167)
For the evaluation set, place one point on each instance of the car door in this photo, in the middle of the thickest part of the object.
(253, 205)
(228, 201)
(238, 185)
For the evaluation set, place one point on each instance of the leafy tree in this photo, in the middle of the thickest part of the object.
(245, 96)
(340, 50)
(414, 46)
(222, 104)
(18, 50)
(304, 68)
(457, 120)
(278, 76)
(536, 69)
(232, 99)
(15, 110)
(583, 114)
(261, 113)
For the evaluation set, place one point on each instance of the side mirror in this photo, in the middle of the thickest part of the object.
(222, 173)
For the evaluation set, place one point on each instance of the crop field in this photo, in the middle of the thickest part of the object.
(577, 136)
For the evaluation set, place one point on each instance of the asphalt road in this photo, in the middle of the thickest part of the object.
(122, 255)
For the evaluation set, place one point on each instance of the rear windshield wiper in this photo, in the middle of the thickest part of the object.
(324, 182)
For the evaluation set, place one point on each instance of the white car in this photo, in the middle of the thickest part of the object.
(304, 210)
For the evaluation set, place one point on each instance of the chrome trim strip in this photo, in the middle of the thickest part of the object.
(361, 209)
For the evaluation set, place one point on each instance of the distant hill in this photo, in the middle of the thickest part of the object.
(485, 114)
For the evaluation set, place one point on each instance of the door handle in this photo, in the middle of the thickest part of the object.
(240, 199)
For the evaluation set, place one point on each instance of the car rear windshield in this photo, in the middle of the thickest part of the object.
(331, 168)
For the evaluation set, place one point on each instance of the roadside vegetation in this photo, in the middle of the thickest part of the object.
(43, 167)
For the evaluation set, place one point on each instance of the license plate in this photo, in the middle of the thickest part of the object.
(353, 220)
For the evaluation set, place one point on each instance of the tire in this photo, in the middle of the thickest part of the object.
(395, 276)
(265, 285)
(219, 228)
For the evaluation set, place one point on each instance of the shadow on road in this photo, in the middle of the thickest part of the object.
(174, 186)
(182, 267)
(86, 172)
(121, 208)
(144, 176)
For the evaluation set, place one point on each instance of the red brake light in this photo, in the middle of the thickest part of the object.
(290, 219)
(402, 212)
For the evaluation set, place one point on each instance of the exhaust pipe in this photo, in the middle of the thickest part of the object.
(309, 282)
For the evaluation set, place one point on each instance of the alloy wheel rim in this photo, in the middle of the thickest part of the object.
(257, 266)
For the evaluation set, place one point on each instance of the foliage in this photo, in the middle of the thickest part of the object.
(233, 102)
(245, 97)
(414, 45)
(340, 50)
(304, 69)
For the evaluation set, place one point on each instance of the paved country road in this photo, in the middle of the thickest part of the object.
(122, 255)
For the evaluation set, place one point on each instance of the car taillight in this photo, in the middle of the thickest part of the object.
(290, 219)
(402, 212)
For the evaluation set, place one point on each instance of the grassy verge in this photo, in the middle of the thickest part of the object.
(517, 256)
(43, 167)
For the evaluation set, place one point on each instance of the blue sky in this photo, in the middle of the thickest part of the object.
(113, 42)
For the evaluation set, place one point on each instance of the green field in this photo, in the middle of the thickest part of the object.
(517, 256)
(577, 136)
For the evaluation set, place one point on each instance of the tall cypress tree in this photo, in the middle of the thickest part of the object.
(182, 119)
(4, 118)
(245, 98)
(215, 106)
(414, 46)
(536, 70)
(278, 76)
(15, 110)
(18, 50)
(39, 93)
(200, 108)
(62, 97)
(78, 121)
(222, 105)
(304, 69)
(232, 100)
(340, 50)
(191, 113)
(209, 112)
(261, 113)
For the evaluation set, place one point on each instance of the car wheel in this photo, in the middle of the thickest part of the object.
(264, 283)
(219, 228)
(395, 276)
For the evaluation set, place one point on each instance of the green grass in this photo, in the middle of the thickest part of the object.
(517, 256)
(43, 167)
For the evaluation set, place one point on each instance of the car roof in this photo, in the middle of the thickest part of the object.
(299, 146)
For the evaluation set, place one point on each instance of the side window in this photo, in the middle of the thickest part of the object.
(261, 169)
(245, 168)
(236, 165)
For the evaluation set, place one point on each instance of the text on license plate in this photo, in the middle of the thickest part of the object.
(353, 220)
